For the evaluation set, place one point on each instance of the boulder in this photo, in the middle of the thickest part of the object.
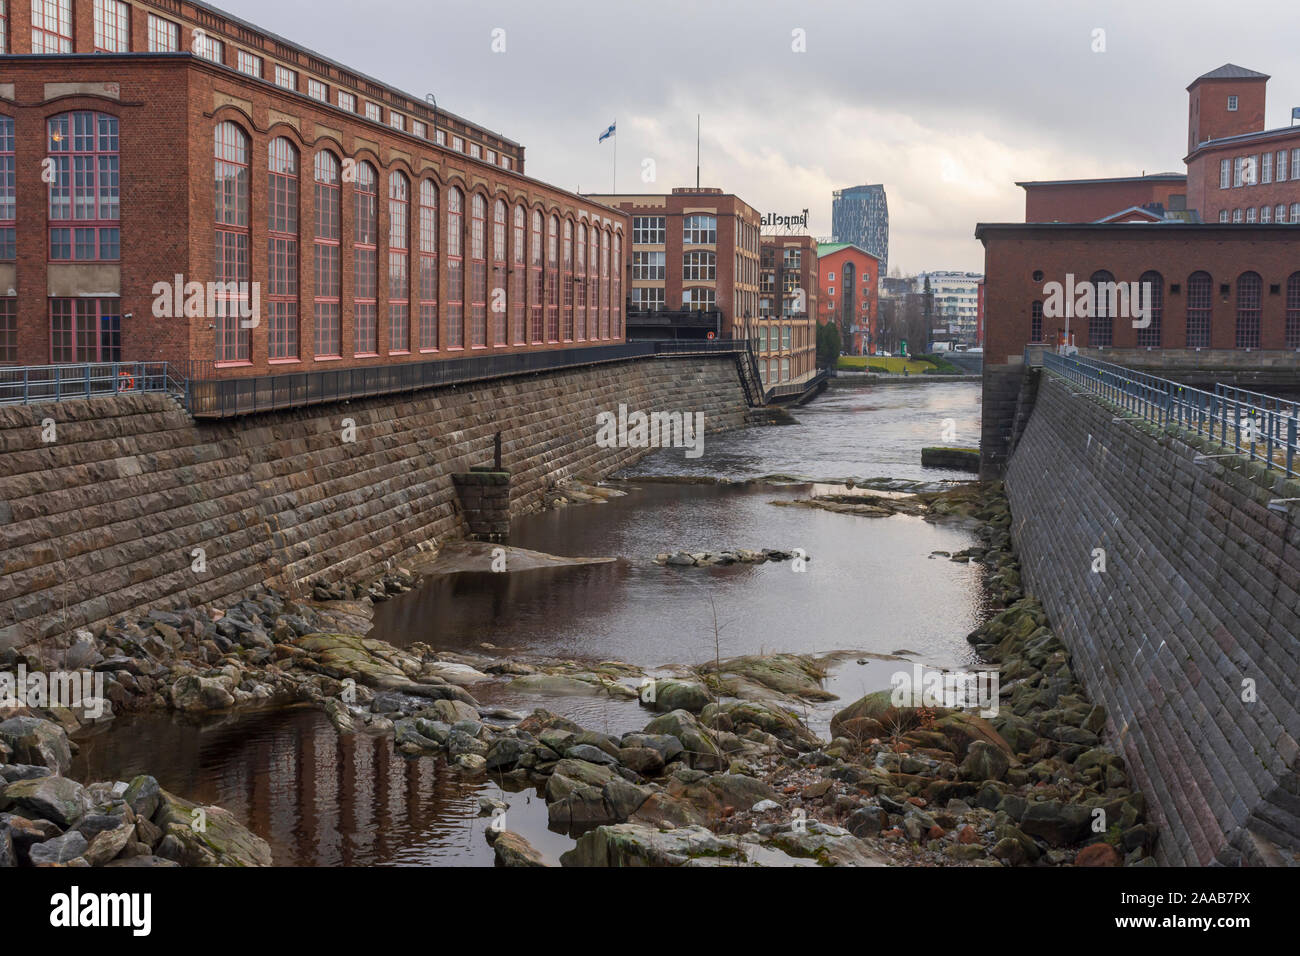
(1060, 824)
(984, 761)
(194, 694)
(700, 749)
(37, 742)
(59, 851)
(633, 844)
(58, 799)
(222, 841)
(510, 849)
(680, 695)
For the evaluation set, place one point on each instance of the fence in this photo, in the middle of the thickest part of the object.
(26, 385)
(1250, 424)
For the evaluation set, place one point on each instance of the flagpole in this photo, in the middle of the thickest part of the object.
(614, 174)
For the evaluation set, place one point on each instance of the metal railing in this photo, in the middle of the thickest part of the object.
(25, 385)
(798, 388)
(1261, 431)
(208, 396)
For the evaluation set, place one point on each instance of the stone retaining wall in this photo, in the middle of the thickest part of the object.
(1201, 592)
(107, 518)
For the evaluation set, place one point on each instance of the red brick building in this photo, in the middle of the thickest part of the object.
(850, 295)
(1238, 171)
(328, 220)
(1088, 200)
(786, 328)
(695, 249)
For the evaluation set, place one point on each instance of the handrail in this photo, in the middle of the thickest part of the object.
(29, 384)
(1264, 432)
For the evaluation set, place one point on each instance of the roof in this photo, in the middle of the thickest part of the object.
(1167, 227)
(1259, 134)
(1230, 71)
(1150, 177)
(1138, 210)
(830, 248)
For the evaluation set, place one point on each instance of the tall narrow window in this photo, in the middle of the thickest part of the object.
(1293, 311)
(1151, 284)
(399, 262)
(164, 36)
(566, 329)
(231, 192)
(616, 289)
(580, 284)
(4, 27)
(553, 280)
(428, 265)
(1101, 325)
(365, 258)
(51, 26)
(112, 26)
(499, 305)
(1036, 321)
(8, 330)
(84, 193)
(518, 280)
(8, 192)
(329, 203)
(604, 284)
(282, 250)
(535, 281)
(1249, 287)
(1199, 306)
(478, 272)
(455, 270)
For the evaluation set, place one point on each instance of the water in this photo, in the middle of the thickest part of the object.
(871, 586)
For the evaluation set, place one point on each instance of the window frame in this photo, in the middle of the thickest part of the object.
(96, 163)
(284, 185)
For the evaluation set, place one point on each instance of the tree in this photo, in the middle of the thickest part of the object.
(828, 345)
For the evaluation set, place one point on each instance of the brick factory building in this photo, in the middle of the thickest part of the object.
(1238, 171)
(786, 330)
(850, 298)
(1088, 200)
(692, 250)
(355, 224)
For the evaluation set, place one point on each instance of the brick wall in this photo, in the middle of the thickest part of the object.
(104, 520)
(1201, 592)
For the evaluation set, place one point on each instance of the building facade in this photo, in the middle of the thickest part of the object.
(1238, 171)
(860, 217)
(849, 278)
(178, 185)
(956, 303)
(1088, 200)
(694, 249)
(786, 330)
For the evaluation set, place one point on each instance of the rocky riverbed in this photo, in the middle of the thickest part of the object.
(725, 771)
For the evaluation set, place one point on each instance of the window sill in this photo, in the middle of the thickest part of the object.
(401, 352)
(327, 358)
(239, 364)
(284, 361)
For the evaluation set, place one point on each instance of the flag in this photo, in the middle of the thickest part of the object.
(607, 134)
(1295, 113)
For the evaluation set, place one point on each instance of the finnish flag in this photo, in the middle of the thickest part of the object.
(1295, 113)
(607, 134)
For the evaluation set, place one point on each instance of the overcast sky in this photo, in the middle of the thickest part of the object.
(946, 103)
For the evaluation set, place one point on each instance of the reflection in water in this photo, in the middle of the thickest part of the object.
(325, 799)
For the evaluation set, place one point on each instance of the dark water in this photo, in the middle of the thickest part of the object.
(324, 799)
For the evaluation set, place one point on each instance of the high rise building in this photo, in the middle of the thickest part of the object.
(860, 216)
(956, 302)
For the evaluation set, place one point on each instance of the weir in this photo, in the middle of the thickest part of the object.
(1190, 636)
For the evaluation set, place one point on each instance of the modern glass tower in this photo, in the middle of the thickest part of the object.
(860, 215)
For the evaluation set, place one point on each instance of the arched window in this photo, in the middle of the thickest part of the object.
(1293, 311)
(328, 271)
(553, 280)
(566, 328)
(499, 305)
(1151, 293)
(365, 259)
(1036, 321)
(282, 250)
(84, 191)
(1199, 308)
(518, 280)
(535, 281)
(231, 181)
(580, 283)
(8, 192)
(1249, 304)
(616, 289)
(428, 265)
(455, 270)
(478, 272)
(1101, 325)
(399, 262)
(604, 284)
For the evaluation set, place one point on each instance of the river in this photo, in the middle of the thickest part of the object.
(871, 585)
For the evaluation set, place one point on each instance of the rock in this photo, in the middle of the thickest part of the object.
(866, 821)
(57, 799)
(471, 763)
(1010, 851)
(763, 806)
(700, 749)
(788, 675)
(827, 845)
(624, 798)
(1060, 824)
(590, 754)
(37, 742)
(984, 761)
(644, 760)
(580, 809)
(223, 841)
(143, 796)
(632, 844)
(194, 694)
(1098, 854)
(666, 745)
(60, 850)
(680, 695)
(513, 850)
(107, 844)
(454, 711)
(505, 752)
(21, 771)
